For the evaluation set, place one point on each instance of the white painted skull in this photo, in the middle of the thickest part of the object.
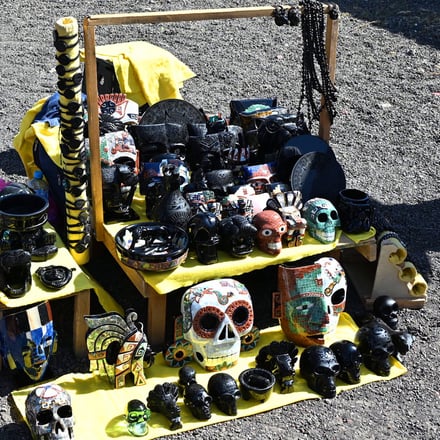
(322, 219)
(49, 413)
(216, 314)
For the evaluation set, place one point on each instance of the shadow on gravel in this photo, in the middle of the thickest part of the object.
(417, 20)
(11, 163)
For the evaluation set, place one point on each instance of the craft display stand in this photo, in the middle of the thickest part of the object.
(156, 313)
(79, 287)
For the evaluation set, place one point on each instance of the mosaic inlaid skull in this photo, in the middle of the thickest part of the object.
(216, 314)
(49, 413)
(322, 219)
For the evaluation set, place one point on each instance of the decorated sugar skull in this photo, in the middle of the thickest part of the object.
(216, 314)
(322, 219)
(310, 300)
(270, 230)
(49, 413)
(319, 367)
(28, 340)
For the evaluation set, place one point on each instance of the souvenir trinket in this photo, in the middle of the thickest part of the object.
(256, 384)
(224, 392)
(163, 399)
(216, 315)
(271, 228)
(28, 340)
(310, 300)
(279, 358)
(203, 233)
(319, 367)
(137, 417)
(350, 360)
(322, 219)
(355, 211)
(15, 273)
(118, 347)
(49, 413)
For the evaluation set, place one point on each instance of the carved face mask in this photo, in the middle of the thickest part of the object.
(310, 300)
(28, 339)
(216, 314)
(270, 229)
(49, 413)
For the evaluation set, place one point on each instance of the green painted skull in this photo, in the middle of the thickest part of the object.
(322, 219)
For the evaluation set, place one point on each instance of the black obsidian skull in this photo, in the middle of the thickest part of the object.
(224, 392)
(237, 235)
(376, 346)
(386, 308)
(204, 236)
(350, 360)
(198, 401)
(319, 366)
(187, 376)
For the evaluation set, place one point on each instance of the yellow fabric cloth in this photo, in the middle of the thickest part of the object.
(192, 272)
(24, 140)
(99, 409)
(146, 73)
(80, 281)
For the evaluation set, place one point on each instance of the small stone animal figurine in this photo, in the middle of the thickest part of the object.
(163, 399)
(279, 358)
(195, 396)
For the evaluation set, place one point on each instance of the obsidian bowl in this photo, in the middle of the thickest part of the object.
(23, 212)
(256, 384)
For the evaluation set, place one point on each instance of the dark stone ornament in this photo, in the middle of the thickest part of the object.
(355, 211)
(224, 391)
(15, 273)
(256, 384)
(319, 366)
(173, 208)
(163, 399)
(237, 235)
(198, 401)
(386, 308)
(279, 357)
(54, 277)
(376, 346)
(350, 360)
(203, 233)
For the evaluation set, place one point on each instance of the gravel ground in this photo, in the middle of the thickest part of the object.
(386, 137)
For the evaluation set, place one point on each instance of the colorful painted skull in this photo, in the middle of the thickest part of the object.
(49, 413)
(270, 230)
(311, 299)
(319, 367)
(322, 219)
(28, 340)
(216, 314)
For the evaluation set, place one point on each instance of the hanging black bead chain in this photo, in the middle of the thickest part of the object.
(314, 55)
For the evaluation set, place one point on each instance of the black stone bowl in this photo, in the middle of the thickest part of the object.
(23, 212)
(256, 384)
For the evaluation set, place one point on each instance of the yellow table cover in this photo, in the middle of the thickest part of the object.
(99, 409)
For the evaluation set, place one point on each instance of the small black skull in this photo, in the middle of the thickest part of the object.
(203, 233)
(225, 392)
(319, 366)
(237, 235)
(376, 346)
(187, 376)
(198, 401)
(386, 308)
(350, 360)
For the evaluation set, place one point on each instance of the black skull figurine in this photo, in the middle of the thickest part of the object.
(237, 235)
(203, 234)
(319, 366)
(225, 392)
(198, 401)
(386, 308)
(376, 346)
(350, 360)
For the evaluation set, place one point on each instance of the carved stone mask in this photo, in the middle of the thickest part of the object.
(319, 366)
(311, 299)
(28, 340)
(225, 392)
(270, 229)
(386, 308)
(49, 413)
(376, 346)
(216, 314)
(350, 360)
(322, 219)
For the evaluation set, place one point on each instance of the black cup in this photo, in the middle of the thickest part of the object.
(355, 211)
